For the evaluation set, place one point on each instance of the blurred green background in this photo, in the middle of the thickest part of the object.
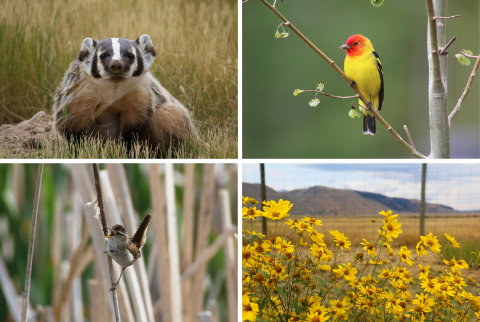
(277, 124)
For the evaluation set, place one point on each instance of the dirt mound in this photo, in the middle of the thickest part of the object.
(22, 139)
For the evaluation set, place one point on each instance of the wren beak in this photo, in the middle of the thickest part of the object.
(110, 233)
(345, 46)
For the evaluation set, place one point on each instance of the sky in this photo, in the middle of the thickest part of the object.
(454, 185)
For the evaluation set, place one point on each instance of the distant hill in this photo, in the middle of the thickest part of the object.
(320, 200)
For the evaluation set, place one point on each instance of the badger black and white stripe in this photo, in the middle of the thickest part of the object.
(108, 91)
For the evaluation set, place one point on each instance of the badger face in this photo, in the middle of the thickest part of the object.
(116, 59)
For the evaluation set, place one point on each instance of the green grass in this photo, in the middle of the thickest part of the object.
(465, 251)
(196, 61)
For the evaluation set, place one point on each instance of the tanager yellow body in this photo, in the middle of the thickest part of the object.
(363, 66)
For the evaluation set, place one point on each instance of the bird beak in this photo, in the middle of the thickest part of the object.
(345, 46)
(110, 233)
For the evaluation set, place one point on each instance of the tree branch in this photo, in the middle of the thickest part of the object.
(435, 18)
(465, 92)
(443, 51)
(397, 137)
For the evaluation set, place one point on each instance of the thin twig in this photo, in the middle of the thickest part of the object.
(28, 277)
(409, 137)
(466, 55)
(465, 92)
(435, 18)
(444, 49)
(98, 188)
(340, 97)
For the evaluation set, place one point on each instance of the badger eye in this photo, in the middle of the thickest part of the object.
(103, 56)
(130, 56)
(355, 43)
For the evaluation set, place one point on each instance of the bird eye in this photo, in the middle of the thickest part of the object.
(103, 56)
(355, 43)
(130, 56)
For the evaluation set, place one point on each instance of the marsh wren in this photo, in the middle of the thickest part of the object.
(123, 249)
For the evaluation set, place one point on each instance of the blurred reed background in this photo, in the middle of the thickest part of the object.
(70, 279)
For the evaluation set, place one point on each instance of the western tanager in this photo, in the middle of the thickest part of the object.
(363, 67)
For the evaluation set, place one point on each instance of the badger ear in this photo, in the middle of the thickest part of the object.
(144, 40)
(147, 50)
(88, 47)
(88, 44)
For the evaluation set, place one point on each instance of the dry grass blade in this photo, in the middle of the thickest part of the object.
(9, 292)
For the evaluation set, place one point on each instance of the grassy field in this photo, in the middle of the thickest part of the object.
(196, 61)
(464, 229)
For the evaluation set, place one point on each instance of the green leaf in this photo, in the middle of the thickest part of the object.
(263, 304)
(320, 87)
(281, 35)
(298, 310)
(298, 91)
(354, 113)
(289, 267)
(336, 289)
(321, 281)
(377, 3)
(463, 60)
(468, 52)
(314, 102)
(253, 237)
(281, 292)
(262, 320)
(281, 256)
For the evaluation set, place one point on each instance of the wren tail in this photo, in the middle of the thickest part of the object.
(141, 233)
(369, 126)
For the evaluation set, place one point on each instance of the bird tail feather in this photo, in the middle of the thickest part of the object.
(369, 126)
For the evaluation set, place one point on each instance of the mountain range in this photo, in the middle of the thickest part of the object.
(326, 201)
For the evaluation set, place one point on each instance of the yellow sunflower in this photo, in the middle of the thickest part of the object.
(420, 308)
(369, 247)
(421, 251)
(432, 242)
(404, 254)
(392, 227)
(452, 240)
(251, 213)
(424, 271)
(277, 211)
(249, 309)
(347, 271)
(312, 221)
(429, 285)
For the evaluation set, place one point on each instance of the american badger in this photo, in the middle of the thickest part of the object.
(108, 91)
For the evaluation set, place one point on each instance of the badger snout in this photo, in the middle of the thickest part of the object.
(116, 67)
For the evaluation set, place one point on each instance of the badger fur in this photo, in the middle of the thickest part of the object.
(108, 91)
